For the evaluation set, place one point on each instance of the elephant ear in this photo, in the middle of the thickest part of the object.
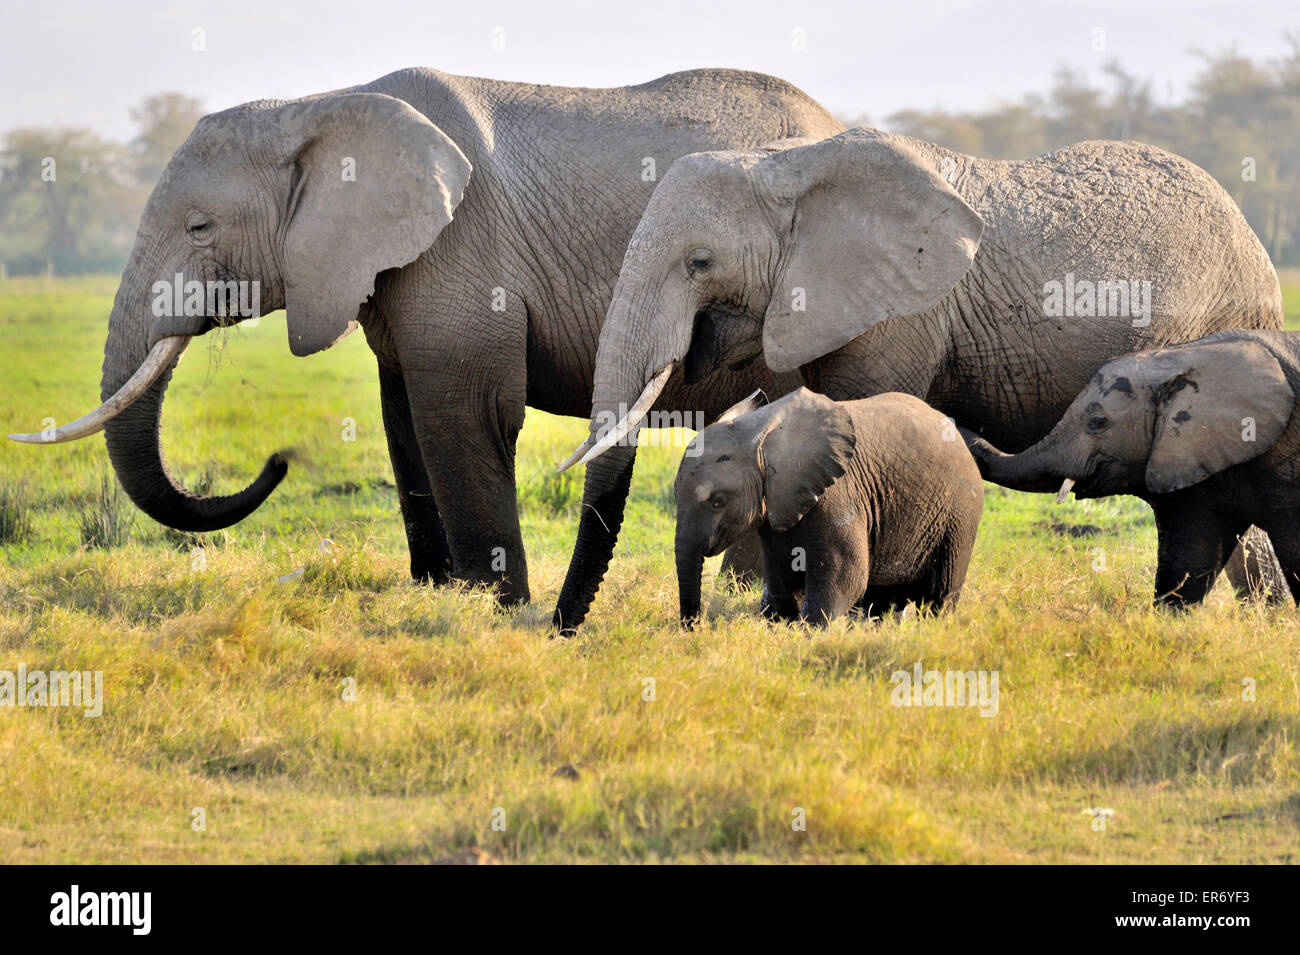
(369, 183)
(1218, 405)
(807, 443)
(876, 233)
(755, 401)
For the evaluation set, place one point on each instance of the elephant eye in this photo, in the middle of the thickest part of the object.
(699, 261)
(718, 501)
(1098, 423)
(199, 227)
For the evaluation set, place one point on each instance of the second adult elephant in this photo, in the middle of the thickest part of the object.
(473, 228)
(871, 262)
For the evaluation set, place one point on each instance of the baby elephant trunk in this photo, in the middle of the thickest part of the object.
(690, 568)
(1035, 469)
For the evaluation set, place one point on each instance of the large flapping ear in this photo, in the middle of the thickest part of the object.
(369, 183)
(807, 443)
(876, 233)
(1217, 405)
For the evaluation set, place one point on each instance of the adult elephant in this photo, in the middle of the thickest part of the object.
(872, 262)
(341, 206)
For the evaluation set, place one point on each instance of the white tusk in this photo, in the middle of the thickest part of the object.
(627, 425)
(1064, 492)
(155, 363)
(573, 458)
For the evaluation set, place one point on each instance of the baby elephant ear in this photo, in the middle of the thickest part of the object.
(1223, 404)
(806, 447)
(752, 403)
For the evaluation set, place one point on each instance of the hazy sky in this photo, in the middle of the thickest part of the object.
(83, 62)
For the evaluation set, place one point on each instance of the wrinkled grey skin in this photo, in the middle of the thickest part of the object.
(478, 248)
(1206, 433)
(871, 504)
(872, 262)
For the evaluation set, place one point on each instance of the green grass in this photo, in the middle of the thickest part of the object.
(1290, 279)
(345, 714)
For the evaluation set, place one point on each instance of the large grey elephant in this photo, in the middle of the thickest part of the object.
(474, 229)
(871, 262)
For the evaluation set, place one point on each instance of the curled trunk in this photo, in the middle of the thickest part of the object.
(623, 367)
(134, 435)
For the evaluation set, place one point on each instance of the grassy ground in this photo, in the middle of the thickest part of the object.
(344, 714)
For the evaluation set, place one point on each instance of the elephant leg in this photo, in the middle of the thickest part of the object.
(467, 407)
(1194, 546)
(880, 600)
(1254, 570)
(742, 564)
(1286, 544)
(780, 584)
(430, 555)
(837, 584)
(941, 586)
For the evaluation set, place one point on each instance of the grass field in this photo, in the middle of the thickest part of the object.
(344, 714)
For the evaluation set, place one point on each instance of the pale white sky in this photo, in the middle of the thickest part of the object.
(85, 62)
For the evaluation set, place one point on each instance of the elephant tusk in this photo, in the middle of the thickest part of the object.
(573, 458)
(1064, 492)
(589, 450)
(156, 362)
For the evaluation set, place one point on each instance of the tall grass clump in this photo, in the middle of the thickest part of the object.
(105, 520)
(15, 516)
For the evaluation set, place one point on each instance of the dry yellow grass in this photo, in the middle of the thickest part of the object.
(348, 715)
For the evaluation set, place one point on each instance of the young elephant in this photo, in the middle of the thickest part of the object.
(870, 504)
(1204, 432)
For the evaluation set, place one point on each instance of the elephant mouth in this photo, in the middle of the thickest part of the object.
(722, 337)
(1098, 480)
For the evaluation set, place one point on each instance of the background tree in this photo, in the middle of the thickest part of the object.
(70, 199)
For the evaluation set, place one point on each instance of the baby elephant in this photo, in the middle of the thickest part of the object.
(870, 504)
(1204, 432)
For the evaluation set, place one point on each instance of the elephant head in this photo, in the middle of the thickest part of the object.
(791, 252)
(755, 464)
(295, 205)
(1155, 422)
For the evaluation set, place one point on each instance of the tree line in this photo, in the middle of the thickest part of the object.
(70, 198)
(1240, 121)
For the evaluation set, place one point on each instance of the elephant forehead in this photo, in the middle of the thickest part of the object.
(700, 193)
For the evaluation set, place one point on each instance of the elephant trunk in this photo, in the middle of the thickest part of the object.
(604, 497)
(638, 351)
(133, 434)
(1037, 468)
(690, 568)
(633, 364)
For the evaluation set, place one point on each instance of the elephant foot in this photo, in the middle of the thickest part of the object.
(1254, 570)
